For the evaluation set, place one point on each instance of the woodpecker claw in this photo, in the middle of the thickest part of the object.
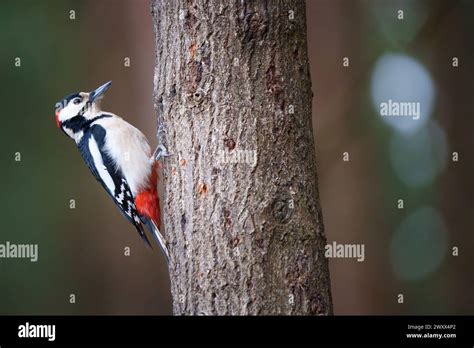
(160, 130)
(161, 151)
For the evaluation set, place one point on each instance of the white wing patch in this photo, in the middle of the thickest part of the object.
(129, 150)
(99, 164)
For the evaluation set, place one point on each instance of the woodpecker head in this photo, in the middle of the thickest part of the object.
(73, 112)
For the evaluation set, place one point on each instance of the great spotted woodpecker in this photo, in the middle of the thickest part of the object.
(119, 157)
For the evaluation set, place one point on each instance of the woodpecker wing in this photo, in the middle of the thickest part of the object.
(111, 178)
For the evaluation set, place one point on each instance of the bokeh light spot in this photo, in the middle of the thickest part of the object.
(419, 157)
(402, 79)
(419, 245)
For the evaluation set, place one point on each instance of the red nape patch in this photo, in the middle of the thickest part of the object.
(148, 206)
(58, 123)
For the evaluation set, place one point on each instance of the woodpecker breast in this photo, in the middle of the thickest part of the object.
(129, 149)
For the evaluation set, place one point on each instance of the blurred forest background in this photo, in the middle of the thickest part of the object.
(408, 251)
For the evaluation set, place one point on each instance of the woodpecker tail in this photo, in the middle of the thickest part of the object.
(142, 234)
(159, 238)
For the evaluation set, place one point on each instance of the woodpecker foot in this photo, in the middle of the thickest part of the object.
(161, 151)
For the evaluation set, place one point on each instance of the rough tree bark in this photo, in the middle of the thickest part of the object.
(241, 207)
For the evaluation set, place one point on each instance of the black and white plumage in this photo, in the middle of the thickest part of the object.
(119, 157)
(92, 148)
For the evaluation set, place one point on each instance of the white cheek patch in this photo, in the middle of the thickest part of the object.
(70, 111)
(65, 114)
(99, 164)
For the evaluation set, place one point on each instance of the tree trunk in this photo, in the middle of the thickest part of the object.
(241, 204)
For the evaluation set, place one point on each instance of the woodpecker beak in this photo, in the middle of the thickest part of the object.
(99, 91)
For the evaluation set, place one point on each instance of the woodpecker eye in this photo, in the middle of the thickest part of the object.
(76, 100)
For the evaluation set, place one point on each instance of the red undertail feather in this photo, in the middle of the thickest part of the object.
(147, 202)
